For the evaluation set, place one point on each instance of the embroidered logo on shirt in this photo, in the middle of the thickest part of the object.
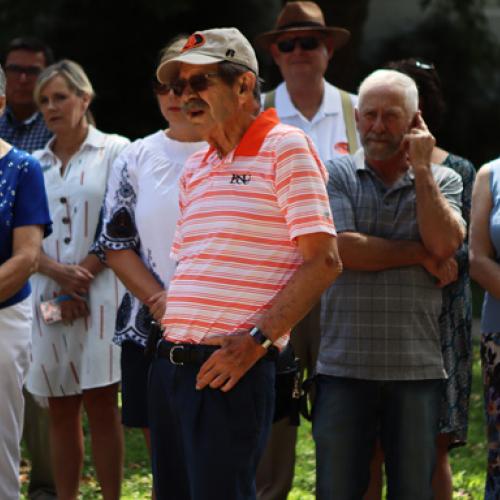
(241, 179)
(342, 148)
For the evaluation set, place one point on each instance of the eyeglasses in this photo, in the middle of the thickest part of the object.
(29, 71)
(160, 88)
(305, 42)
(198, 83)
(424, 65)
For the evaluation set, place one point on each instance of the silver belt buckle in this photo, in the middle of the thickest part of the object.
(171, 354)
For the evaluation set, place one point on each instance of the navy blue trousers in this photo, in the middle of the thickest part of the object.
(207, 444)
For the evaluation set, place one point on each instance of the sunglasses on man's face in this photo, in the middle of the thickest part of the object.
(197, 83)
(305, 43)
(160, 88)
(17, 69)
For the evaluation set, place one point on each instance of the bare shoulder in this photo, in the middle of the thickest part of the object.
(481, 193)
(483, 174)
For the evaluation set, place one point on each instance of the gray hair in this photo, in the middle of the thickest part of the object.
(73, 74)
(229, 71)
(2, 82)
(391, 78)
(173, 48)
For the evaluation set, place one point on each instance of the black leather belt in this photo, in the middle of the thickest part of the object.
(194, 354)
(189, 354)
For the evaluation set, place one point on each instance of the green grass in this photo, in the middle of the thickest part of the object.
(468, 462)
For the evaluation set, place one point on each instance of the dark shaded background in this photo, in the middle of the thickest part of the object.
(117, 43)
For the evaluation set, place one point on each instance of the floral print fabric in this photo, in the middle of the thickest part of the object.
(490, 359)
(455, 323)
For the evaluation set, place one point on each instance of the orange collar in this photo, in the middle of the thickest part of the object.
(254, 136)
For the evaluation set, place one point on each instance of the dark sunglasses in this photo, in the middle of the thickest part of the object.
(198, 83)
(305, 42)
(32, 71)
(160, 88)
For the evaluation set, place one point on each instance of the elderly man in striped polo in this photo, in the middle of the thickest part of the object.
(255, 246)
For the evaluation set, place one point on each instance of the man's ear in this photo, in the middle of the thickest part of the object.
(247, 82)
(2, 104)
(329, 47)
(275, 53)
(356, 115)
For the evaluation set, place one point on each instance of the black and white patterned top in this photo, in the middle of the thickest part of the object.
(140, 213)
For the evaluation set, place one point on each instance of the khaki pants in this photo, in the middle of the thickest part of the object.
(15, 340)
(276, 467)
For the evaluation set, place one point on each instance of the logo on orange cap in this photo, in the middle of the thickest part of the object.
(195, 40)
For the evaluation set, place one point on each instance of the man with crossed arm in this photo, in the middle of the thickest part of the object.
(380, 367)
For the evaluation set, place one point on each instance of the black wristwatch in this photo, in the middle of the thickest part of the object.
(260, 338)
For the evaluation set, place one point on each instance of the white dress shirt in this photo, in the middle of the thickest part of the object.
(326, 129)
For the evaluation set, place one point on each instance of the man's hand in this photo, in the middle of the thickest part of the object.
(419, 143)
(157, 304)
(73, 278)
(224, 368)
(446, 271)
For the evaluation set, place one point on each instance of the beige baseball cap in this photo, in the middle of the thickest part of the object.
(208, 47)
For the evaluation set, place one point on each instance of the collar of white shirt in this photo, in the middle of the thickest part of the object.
(331, 104)
(95, 139)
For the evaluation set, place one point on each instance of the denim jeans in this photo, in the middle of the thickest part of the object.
(350, 414)
(206, 443)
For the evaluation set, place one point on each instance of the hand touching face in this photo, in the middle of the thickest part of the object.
(419, 143)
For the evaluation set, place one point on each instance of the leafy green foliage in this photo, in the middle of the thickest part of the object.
(118, 44)
(118, 48)
(454, 35)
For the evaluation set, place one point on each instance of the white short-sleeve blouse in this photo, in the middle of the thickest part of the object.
(70, 358)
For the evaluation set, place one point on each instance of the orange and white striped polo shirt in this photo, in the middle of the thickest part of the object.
(235, 240)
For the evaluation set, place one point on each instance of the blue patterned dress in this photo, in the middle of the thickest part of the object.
(456, 325)
(490, 349)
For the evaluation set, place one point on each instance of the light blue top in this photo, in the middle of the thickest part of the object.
(490, 319)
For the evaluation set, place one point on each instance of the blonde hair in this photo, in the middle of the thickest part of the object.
(74, 76)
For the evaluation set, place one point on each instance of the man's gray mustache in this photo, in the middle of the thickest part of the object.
(377, 137)
(193, 104)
